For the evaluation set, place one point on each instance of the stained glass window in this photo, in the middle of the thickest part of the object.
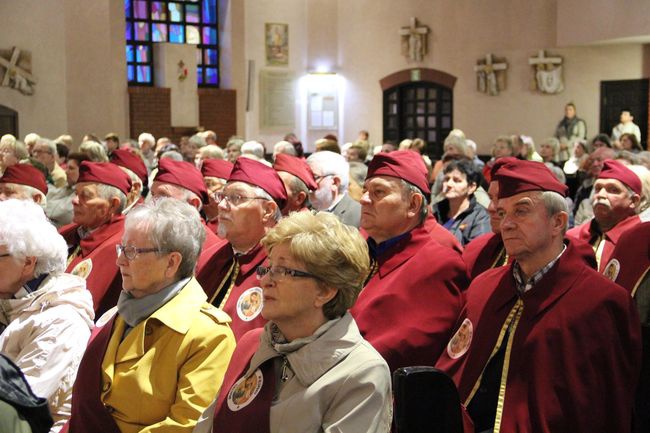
(175, 21)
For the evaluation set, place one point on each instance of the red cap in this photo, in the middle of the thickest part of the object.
(517, 176)
(255, 173)
(297, 167)
(498, 164)
(403, 164)
(183, 174)
(105, 173)
(216, 168)
(25, 174)
(613, 169)
(126, 158)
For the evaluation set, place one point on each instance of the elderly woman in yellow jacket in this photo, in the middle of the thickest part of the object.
(156, 364)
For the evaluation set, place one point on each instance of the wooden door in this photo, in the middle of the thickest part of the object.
(624, 94)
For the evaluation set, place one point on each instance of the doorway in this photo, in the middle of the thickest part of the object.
(418, 103)
(8, 121)
(624, 94)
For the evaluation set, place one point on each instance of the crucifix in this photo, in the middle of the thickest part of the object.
(486, 71)
(414, 42)
(15, 76)
(548, 73)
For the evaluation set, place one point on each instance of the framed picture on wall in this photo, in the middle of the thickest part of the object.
(277, 44)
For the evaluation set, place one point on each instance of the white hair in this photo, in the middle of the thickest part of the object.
(31, 138)
(145, 136)
(259, 192)
(26, 232)
(331, 163)
(95, 151)
(211, 151)
(51, 145)
(161, 221)
(28, 192)
(254, 148)
(644, 175)
(8, 140)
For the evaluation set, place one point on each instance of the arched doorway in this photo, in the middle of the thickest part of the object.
(8, 121)
(418, 103)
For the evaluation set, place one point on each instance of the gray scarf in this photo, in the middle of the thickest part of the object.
(135, 310)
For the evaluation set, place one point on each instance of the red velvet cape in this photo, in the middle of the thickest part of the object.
(482, 253)
(576, 351)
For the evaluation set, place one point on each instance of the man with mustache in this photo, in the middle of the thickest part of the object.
(617, 194)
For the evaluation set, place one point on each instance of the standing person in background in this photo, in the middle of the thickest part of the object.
(570, 128)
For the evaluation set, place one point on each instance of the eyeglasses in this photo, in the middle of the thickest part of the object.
(280, 272)
(5, 255)
(233, 198)
(131, 252)
(319, 178)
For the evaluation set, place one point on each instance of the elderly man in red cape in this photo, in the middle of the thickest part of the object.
(412, 296)
(97, 226)
(215, 176)
(23, 182)
(545, 344)
(298, 180)
(183, 181)
(487, 251)
(249, 205)
(617, 194)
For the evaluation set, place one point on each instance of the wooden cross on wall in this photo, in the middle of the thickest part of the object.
(489, 81)
(548, 73)
(15, 76)
(414, 40)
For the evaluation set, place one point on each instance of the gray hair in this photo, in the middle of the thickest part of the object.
(17, 147)
(95, 151)
(407, 190)
(51, 145)
(254, 148)
(259, 192)
(297, 186)
(26, 232)
(211, 151)
(284, 147)
(555, 203)
(107, 192)
(145, 136)
(644, 175)
(134, 177)
(30, 191)
(31, 138)
(161, 218)
(173, 155)
(328, 162)
(198, 141)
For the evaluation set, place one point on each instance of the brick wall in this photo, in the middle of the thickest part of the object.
(150, 111)
(218, 112)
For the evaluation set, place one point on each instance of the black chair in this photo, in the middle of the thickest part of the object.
(426, 401)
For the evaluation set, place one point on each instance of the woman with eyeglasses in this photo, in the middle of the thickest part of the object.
(158, 361)
(309, 369)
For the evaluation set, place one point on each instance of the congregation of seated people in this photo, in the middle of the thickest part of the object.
(204, 285)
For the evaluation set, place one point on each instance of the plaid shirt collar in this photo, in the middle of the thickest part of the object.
(525, 285)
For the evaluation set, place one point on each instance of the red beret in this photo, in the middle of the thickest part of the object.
(517, 176)
(613, 169)
(25, 174)
(216, 168)
(498, 164)
(297, 167)
(183, 174)
(255, 173)
(403, 164)
(128, 159)
(105, 173)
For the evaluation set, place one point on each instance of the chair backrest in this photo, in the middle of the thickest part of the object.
(426, 401)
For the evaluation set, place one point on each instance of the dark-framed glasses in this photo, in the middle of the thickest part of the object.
(234, 199)
(279, 272)
(131, 252)
(319, 178)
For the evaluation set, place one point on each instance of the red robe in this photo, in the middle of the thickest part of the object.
(214, 267)
(483, 253)
(441, 234)
(590, 232)
(575, 351)
(95, 261)
(632, 253)
(409, 307)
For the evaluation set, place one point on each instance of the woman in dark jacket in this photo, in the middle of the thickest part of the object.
(459, 212)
